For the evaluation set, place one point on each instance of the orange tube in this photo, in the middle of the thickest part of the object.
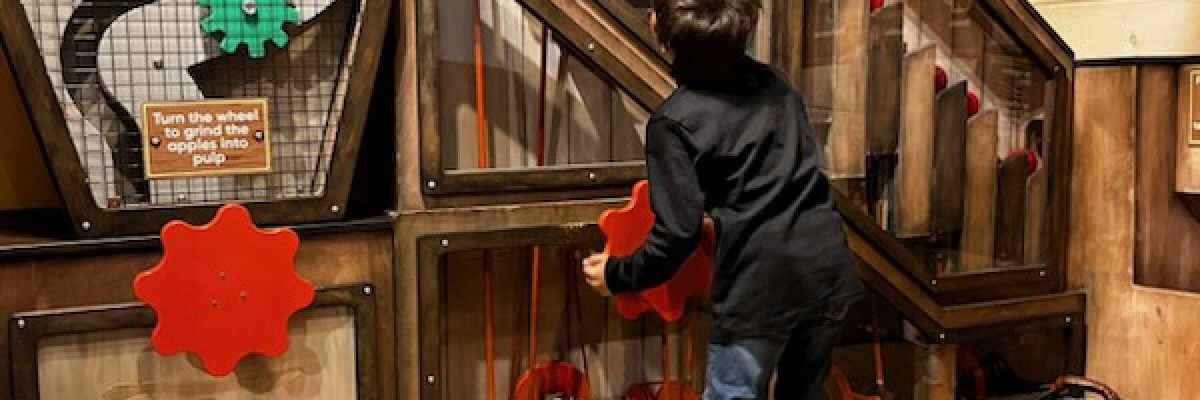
(481, 135)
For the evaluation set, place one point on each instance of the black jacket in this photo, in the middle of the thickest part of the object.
(742, 153)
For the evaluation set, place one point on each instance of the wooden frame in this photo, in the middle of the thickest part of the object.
(437, 180)
(28, 328)
(89, 220)
(430, 273)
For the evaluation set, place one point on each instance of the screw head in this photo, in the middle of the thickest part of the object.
(250, 7)
(431, 185)
(933, 282)
(1068, 319)
(367, 290)
(335, 209)
(20, 324)
(941, 336)
(591, 47)
(430, 379)
(259, 136)
(155, 141)
(392, 213)
(592, 176)
(158, 64)
(1042, 273)
(445, 243)
(86, 225)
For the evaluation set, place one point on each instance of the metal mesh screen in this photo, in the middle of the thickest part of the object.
(106, 58)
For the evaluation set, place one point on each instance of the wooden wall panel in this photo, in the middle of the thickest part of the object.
(916, 145)
(1168, 236)
(24, 180)
(59, 282)
(1141, 341)
(847, 134)
(319, 364)
(979, 209)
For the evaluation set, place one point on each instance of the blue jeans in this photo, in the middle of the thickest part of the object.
(742, 369)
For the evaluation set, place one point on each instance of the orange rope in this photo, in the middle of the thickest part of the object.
(480, 99)
(481, 129)
(878, 350)
(534, 282)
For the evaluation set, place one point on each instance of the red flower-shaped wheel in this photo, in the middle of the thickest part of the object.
(626, 229)
(224, 290)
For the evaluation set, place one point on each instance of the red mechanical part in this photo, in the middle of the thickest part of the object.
(549, 378)
(1031, 160)
(972, 104)
(224, 290)
(940, 79)
(626, 229)
(876, 4)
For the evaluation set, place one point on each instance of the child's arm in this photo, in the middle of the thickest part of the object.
(678, 204)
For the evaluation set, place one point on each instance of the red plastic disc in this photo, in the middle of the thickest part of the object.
(626, 229)
(972, 104)
(876, 4)
(550, 378)
(940, 79)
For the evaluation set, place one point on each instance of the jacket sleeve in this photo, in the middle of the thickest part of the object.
(678, 204)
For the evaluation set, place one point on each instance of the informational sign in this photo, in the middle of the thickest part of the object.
(206, 138)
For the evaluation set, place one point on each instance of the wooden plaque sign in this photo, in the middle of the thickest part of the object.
(206, 138)
(1187, 152)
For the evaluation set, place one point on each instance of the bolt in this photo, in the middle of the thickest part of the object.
(592, 176)
(445, 243)
(158, 64)
(367, 290)
(87, 226)
(1042, 273)
(20, 324)
(933, 282)
(335, 209)
(242, 295)
(941, 336)
(214, 303)
(221, 275)
(1068, 319)
(155, 141)
(591, 47)
(431, 184)
(259, 135)
(429, 379)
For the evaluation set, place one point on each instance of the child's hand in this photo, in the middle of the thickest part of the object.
(593, 273)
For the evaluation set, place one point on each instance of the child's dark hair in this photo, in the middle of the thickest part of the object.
(707, 37)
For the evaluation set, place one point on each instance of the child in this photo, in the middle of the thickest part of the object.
(733, 142)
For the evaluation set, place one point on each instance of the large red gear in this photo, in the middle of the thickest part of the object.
(224, 290)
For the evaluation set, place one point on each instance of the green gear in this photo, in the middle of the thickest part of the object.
(253, 22)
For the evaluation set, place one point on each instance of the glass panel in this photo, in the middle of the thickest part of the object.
(574, 324)
(319, 364)
(925, 109)
(552, 113)
(107, 58)
(881, 354)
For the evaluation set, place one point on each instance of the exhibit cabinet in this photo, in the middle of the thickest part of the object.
(444, 164)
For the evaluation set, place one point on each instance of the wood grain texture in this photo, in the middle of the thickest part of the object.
(319, 364)
(1167, 234)
(916, 146)
(847, 134)
(949, 159)
(55, 282)
(1036, 196)
(1010, 211)
(937, 374)
(1105, 194)
(979, 206)
(24, 180)
(885, 74)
